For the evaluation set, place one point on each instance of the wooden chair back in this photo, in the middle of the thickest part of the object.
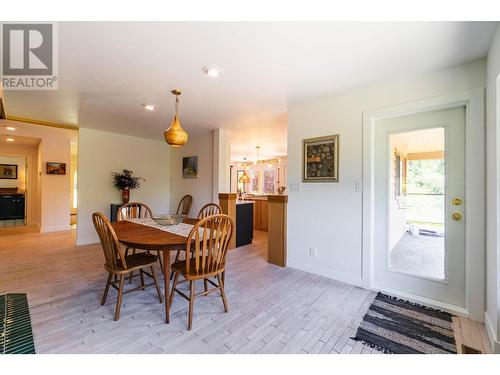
(185, 205)
(113, 253)
(209, 210)
(134, 210)
(207, 244)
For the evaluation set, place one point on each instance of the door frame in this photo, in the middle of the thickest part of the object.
(473, 101)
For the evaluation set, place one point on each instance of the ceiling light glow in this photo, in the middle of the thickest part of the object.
(10, 128)
(9, 139)
(149, 107)
(211, 71)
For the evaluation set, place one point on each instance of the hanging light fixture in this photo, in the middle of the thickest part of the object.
(245, 178)
(175, 135)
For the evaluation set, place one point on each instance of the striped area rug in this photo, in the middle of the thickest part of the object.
(396, 326)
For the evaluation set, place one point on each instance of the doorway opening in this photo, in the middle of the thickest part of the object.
(417, 175)
(13, 190)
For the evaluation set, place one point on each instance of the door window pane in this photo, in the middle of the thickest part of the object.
(416, 203)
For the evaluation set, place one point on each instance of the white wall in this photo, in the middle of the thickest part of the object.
(99, 154)
(221, 163)
(53, 195)
(328, 216)
(202, 187)
(492, 317)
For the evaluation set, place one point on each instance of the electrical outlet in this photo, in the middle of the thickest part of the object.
(312, 252)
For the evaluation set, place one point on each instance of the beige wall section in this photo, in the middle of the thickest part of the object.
(20, 181)
(52, 196)
(100, 153)
(201, 188)
(492, 316)
(221, 163)
(331, 213)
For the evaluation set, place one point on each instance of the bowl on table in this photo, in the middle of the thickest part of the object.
(168, 219)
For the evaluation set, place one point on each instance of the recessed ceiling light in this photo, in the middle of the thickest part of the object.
(10, 128)
(9, 139)
(149, 107)
(211, 71)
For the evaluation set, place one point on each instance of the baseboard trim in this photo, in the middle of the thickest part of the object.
(495, 344)
(325, 272)
(57, 228)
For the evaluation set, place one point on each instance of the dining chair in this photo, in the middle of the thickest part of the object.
(136, 210)
(185, 205)
(119, 264)
(206, 251)
(207, 210)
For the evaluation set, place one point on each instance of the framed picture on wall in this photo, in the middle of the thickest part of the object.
(190, 167)
(8, 171)
(321, 159)
(56, 168)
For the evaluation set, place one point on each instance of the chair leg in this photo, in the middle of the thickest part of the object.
(142, 280)
(191, 303)
(106, 289)
(119, 299)
(222, 292)
(159, 259)
(205, 284)
(156, 283)
(131, 277)
(174, 285)
(177, 256)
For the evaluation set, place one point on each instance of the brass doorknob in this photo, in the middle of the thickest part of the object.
(456, 201)
(456, 216)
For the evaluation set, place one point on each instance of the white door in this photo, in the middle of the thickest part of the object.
(419, 234)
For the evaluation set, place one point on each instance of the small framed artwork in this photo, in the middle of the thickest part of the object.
(56, 168)
(321, 159)
(8, 171)
(190, 167)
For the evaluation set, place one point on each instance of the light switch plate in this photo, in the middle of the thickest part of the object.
(296, 186)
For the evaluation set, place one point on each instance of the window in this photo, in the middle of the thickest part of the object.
(269, 181)
(254, 185)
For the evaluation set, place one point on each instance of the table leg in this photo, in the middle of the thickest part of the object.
(166, 278)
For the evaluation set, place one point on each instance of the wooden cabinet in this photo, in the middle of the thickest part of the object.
(12, 207)
(260, 214)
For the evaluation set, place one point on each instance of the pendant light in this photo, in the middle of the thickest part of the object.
(175, 135)
(244, 178)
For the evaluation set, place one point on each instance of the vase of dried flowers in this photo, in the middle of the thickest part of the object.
(126, 181)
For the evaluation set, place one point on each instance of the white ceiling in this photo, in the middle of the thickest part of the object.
(18, 140)
(106, 70)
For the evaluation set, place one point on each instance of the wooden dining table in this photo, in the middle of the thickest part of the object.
(144, 237)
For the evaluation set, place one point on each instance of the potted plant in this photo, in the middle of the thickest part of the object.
(126, 181)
